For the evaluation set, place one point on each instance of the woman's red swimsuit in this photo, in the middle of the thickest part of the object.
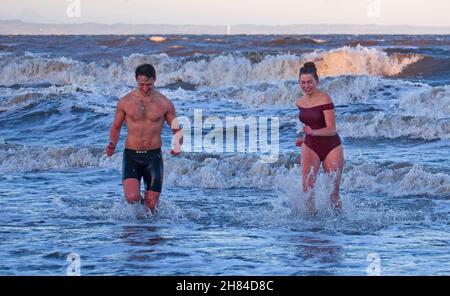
(315, 118)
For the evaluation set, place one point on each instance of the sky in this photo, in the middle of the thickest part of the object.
(231, 12)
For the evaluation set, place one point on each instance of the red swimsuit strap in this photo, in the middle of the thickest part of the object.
(329, 106)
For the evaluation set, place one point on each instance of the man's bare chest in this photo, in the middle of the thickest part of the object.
(142, 110)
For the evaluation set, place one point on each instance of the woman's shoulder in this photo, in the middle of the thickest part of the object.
(324, 98)
(299, 101)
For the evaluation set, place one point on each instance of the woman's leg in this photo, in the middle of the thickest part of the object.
(310, 163)
(334, 163)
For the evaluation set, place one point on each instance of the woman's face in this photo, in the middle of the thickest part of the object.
(308, 84)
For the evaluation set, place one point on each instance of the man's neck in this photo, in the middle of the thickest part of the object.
(141, 94)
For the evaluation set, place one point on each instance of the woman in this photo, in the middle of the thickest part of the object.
(321, 142)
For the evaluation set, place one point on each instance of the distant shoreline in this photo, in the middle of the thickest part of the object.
(14, 27)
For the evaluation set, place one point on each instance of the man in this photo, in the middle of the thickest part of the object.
(144, 111)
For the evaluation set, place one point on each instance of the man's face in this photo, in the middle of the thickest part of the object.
(145, 84)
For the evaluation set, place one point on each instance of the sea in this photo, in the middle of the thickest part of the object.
(230, 212)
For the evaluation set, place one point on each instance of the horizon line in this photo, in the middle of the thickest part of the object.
(215, 25)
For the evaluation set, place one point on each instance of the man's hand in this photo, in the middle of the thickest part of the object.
(176, 147)
(177, 142)
(110, 149)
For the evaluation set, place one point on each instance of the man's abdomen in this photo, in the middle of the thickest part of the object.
(144, 138)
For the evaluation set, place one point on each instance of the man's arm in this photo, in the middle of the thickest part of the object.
(114, 132)
(177, 132)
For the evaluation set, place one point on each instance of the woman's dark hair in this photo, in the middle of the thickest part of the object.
(147, 70)
(309, 68)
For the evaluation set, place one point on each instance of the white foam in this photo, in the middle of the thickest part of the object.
(61, 71)
(236, 70)
(360, 60)
(93, 97)
(395, 179)
(356, 89)
(15, 158)
(319, 40)
(157, 39)
(392, 126)
(433, 102)
(219, 70)
(343, 90)
(121, 211)
(288, 209)
(221, 172)
(275, 94)
(20, 70)
(240, 171)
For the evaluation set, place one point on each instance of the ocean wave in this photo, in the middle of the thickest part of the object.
(406, 110)
(208, 70)
(17, 158)
(361, 60)
(433, 102)
(291, 41)
(217, 171)
(157, 39)
(343, 90)
(377, 125)
(395, 179)
(63, 71)
(420, 113)
(93, 97)
(428, 66)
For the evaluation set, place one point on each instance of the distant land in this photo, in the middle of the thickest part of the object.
(14, 27)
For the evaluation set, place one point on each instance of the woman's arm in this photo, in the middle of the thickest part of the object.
(330, 129)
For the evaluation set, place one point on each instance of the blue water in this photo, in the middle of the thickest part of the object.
(225, 213)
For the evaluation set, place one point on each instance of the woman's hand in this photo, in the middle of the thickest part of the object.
(299, 142)
(308, 130)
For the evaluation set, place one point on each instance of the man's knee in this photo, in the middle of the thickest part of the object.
(132, 198)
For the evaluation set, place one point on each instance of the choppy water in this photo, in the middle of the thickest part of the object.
(225, 214)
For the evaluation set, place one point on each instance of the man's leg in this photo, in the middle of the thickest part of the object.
(151, 200)
(153, 177)
(131, 177)
(131, 189)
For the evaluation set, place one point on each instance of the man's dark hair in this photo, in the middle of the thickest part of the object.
(147, 70)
